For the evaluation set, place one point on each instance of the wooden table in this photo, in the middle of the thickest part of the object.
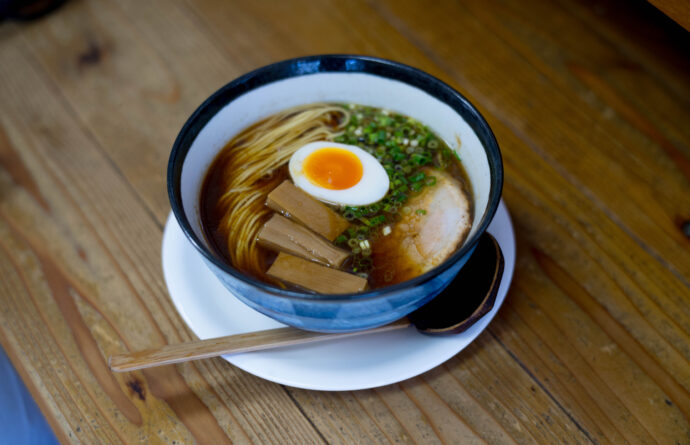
(590, 102)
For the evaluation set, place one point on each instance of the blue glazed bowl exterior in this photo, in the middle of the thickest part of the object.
(335, 313)
(339, 315)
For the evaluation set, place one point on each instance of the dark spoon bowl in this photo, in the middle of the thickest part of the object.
(470, 296)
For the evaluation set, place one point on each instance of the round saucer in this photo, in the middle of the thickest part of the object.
(361, 362)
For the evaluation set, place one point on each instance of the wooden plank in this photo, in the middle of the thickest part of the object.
(655, 294)
(678, 10)
(641, 33)
(95, 47)
(617, 89)
(82, 250)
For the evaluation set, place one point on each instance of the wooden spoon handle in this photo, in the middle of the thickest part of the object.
(213, 347)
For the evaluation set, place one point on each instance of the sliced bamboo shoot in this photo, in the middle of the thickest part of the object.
(282, 235)
(294, 203)
(312, 276)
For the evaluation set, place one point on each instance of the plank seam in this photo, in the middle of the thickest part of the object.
(543, 387)
(301, 410)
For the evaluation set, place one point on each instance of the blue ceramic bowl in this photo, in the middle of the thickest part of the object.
(346, 79)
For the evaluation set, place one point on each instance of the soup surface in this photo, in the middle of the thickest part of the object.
(414, 218)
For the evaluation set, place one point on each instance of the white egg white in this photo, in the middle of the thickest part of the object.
(371, 188)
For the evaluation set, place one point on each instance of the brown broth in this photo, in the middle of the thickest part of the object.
(211, 215)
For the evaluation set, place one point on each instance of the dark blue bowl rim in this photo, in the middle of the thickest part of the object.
(333, 63)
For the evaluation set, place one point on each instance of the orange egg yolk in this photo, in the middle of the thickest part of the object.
(333, 168)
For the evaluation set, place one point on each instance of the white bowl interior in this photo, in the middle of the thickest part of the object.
(364, 89)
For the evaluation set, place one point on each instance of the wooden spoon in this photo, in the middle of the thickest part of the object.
(470, 296)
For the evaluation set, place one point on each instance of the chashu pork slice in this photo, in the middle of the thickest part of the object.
(422, 240)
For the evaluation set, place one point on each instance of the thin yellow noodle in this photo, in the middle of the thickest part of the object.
(252, 163)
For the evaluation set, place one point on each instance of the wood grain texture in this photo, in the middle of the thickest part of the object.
(678, 10)
(590, 103)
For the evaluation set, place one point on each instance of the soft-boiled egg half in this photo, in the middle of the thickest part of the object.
(338, 173)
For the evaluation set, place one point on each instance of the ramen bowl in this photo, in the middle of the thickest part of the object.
(343, 79)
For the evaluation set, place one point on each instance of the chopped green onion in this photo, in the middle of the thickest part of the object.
(379, 219)
(417, 177)
(400, 197)
(403, 146)
(417, 158)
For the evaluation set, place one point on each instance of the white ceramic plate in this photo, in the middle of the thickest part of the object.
(362, 362)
